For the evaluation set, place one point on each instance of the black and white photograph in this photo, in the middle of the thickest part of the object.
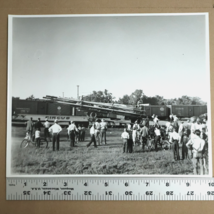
(109, 95)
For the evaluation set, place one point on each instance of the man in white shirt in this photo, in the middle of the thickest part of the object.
(136, 133)
(196, 126)
(103, 130)
(47, 126)
(55, 129)
(97, 131)
(37, 137)
(155, 120)
(92, 133)
(197, 147)
(125, 137)
(175, 140)
(71, 132)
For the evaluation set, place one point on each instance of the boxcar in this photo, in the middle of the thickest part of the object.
(161, 111)
(188, 111)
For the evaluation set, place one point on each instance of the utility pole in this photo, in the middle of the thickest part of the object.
(62, 94)
(78, 92)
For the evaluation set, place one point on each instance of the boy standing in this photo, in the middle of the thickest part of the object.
(125, 137)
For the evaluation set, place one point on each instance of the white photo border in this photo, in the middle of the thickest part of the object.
(9, 96)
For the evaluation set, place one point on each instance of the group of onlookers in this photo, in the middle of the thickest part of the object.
(75, 133)
(187, 140)
(98, 132)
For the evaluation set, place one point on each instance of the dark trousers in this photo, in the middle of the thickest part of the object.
(38, 142)
(175, 150)
(82, 136)
(46, 133)
(130, 145)
(157, 140)
(103, 135)
(55, 140)
(72, 138)
(93, 140)
(144, 142)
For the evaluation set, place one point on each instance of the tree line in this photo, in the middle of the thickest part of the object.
(137, 97)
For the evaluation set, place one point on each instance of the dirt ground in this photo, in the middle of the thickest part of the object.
(106, 159)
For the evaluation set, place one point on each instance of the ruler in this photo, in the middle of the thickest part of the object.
(110, 189)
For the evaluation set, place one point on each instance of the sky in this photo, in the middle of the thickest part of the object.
(162, 55)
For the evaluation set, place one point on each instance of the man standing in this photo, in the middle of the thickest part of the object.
(136, 133)
(71, 131)
(55, 129)
(125, 138)
(92, 133)
(175, 140)
(46, 132)
(147, 122)
(144, 134)
(29, 127)
(157, 138)
(103, 130)
(196, 126)
(38, 125)
(97, 131)
(197, 145)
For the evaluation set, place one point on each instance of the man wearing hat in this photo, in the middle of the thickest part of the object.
(55, 129)
(71, 131)
(46, 125)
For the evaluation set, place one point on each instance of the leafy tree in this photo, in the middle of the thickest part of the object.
(124, 100)
(160, 100)
(100, 96)
(136, 96)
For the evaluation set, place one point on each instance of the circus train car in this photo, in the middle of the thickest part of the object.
(23, 110)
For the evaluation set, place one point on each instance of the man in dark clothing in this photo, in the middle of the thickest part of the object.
(38, 125)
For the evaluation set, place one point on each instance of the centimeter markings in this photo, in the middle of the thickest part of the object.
(109, 189)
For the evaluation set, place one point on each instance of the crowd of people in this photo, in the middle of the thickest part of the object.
(75, 133)
(187, 140)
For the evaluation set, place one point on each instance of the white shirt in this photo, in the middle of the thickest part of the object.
(103, 125)
(157, 132)
(46, 124)
(97, 125)
(55, 128)
(155, 120)
(180, 128)
(92, 130)
(197, 143)
(37, 134)
(136, 127)
(125, 135)
(72, 127)
(196, 126)
(129, 127)
(174, 136)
